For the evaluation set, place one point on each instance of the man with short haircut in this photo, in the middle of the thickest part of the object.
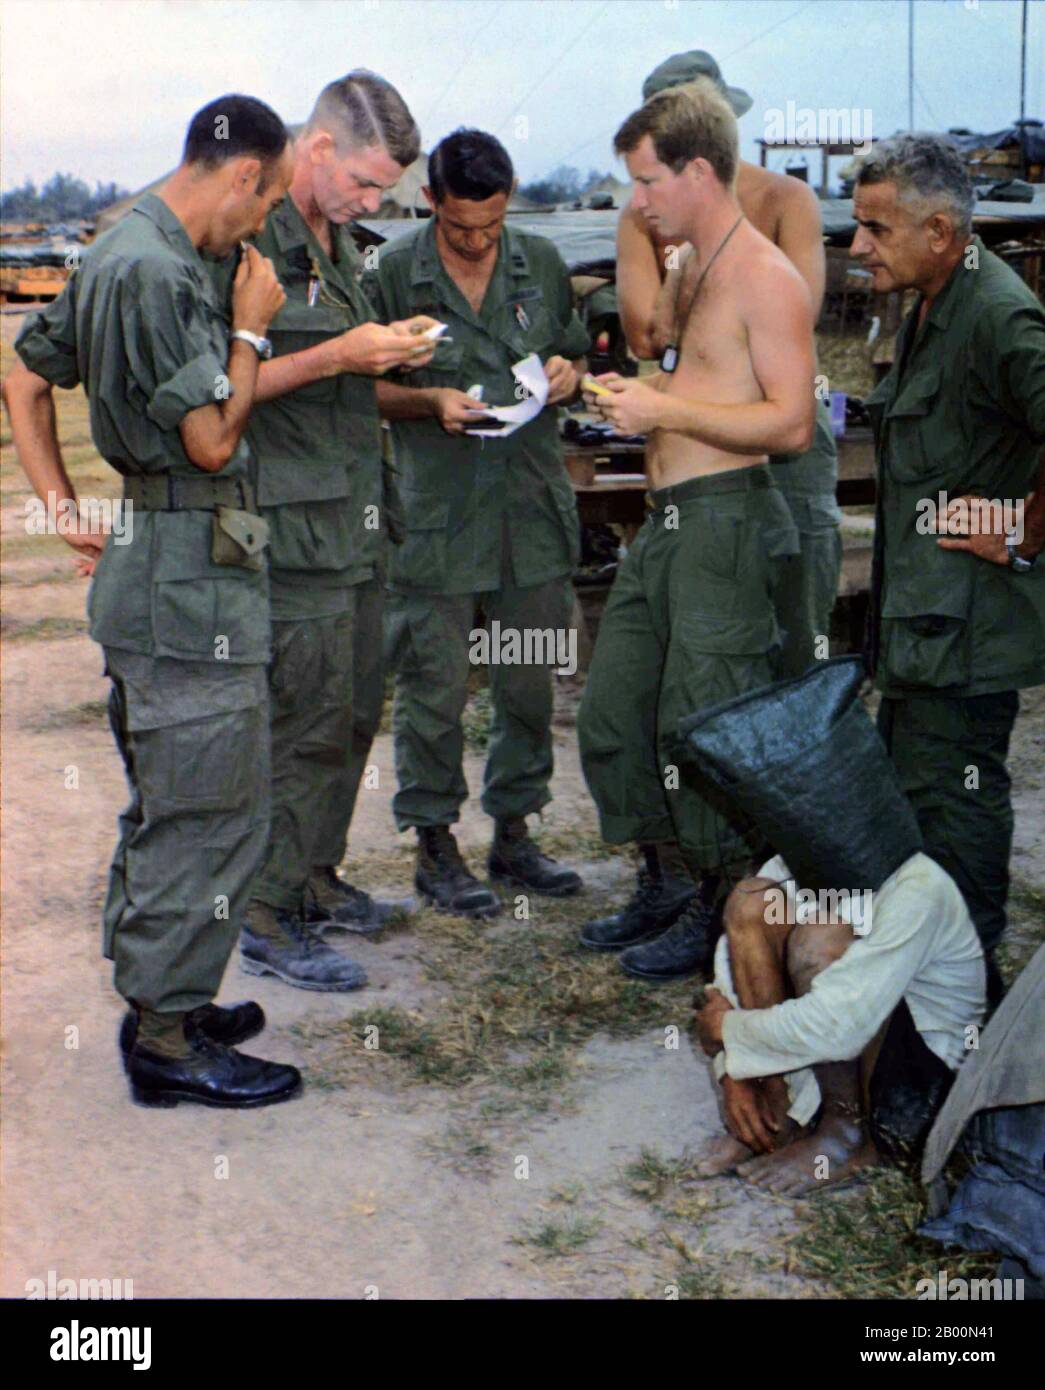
(957, 622)
(690, 619)
(315, 439)
(181, 611)
(787, 212)
(491, 524)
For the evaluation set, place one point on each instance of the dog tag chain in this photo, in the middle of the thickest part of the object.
(670, 358)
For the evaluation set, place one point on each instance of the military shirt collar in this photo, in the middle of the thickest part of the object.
(427, 263)
(172, 227)
(946, 302)
(291, 231)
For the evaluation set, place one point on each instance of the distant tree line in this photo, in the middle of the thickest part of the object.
(63, 198)
(562, 185)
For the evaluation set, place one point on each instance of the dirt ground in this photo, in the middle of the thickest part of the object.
(557, 1168)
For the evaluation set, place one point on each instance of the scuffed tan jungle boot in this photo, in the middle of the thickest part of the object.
(229, 1024)
(443, 879)
(331, 902)
(516, 859)
(172, 1060)
(684, 949)
(277, 943)
(659, 899)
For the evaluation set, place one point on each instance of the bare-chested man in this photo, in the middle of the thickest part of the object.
(690, 620)
(650, 265)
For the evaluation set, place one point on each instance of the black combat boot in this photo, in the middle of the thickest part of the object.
(515, 859)
(209, 1074)
(443, 879)
(331, 902)
(229, 1024)
(276, 943)
(658, 900)
(687, 948)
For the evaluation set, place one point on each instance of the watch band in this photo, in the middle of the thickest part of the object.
(1017, 562)
(261, 346)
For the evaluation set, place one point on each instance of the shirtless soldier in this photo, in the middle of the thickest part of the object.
(690, 620)
(649, 266)
(786, 211)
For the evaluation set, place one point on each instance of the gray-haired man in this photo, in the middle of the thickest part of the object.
(958, 621)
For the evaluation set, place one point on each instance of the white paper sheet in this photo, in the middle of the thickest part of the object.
(531, 374)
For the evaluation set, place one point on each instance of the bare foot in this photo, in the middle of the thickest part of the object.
(722, 1155)
(835, 1152)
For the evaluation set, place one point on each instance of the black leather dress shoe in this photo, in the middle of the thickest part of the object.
(651, 909)
(211, 1075)
(229, 1024)
(687, 948)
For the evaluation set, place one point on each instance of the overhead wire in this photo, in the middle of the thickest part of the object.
(754, 39)
(548, 71)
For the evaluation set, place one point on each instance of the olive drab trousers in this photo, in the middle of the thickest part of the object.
(429, 646)
(368, 695)
(193, 736)
(807, 584)
(950, 757)
(325, 686)
(690, 621)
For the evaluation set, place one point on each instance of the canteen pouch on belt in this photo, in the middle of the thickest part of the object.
(238, 538)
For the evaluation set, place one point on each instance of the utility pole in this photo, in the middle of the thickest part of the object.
(910, 62)
(1023, 91)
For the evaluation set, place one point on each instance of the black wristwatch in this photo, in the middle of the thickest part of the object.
(1017, 562)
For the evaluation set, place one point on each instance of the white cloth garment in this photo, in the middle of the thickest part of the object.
(921, 946)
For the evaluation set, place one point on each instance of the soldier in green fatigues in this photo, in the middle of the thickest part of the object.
(315, 440)
(490, 523)
(690, 620)
(181, 611)
(649, 269)
(958, 620)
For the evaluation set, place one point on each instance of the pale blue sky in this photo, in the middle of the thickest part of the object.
(122, 77)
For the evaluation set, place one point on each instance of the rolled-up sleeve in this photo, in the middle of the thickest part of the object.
(47, 340)
(171, 344)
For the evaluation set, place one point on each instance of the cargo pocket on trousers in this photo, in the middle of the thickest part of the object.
(723, 657)
(202, 611)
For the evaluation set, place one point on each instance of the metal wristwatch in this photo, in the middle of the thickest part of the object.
(261, 346)
(1017, 562)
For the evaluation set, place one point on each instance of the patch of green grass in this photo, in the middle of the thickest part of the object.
(650, 1175)
(1025, 931)
(698, 1274)
(43, 629)
(864, 1243)
(478, 720)
(554, 1238)
(90, 712)
(521, 999)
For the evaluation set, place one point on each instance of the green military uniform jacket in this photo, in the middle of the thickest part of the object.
(961, 412)
(464, 500)
(141, 326)
(316, 451)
